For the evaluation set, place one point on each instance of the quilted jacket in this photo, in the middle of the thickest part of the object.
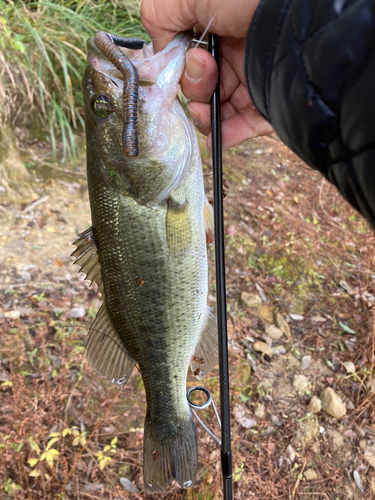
(310, 70)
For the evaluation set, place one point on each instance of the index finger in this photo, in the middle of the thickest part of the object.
(164, 18)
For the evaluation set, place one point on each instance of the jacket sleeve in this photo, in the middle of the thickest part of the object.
(310, 71)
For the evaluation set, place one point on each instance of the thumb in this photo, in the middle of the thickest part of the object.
(163, 19)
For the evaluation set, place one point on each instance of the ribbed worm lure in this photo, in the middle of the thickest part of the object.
(109, 46)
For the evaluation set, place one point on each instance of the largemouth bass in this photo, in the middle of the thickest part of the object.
(146, 250)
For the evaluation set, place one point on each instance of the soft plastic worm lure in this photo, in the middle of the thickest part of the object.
(109, 46)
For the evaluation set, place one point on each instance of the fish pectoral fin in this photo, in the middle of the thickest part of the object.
(105, 350)
(205, 356)
(177, 225)
(208, 220)
(87, 257)
(168, 456)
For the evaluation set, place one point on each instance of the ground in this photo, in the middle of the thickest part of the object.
(301, 290)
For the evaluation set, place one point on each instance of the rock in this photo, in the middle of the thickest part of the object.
(273, 332)
(77, 312)
(282, 323)
(239, 413)
(350, 367)
(310, 475)
(263, 348)
(265, 314)
(305, 362)
(300, 383)
(251, 299)
(260, 411)
(307, 430)
(349, 405)
(128, 485)
(318, 319)
(315, 404)
(12, 314)
(290, 453)
(26, 311)
(332, 404)
(296, 317)
(369, 456)
(92, 488)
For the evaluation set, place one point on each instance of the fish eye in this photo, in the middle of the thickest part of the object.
(102, 106)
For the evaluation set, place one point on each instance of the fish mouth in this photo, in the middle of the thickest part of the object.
(148, 65)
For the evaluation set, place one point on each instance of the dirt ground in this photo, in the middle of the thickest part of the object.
(301, 292)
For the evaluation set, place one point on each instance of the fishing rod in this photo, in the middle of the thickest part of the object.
(226, 454)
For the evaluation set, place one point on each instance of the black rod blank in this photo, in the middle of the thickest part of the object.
(226, 454)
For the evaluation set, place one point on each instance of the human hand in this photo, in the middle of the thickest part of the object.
(230, 20)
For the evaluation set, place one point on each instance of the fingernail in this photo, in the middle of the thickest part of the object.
(194, 67)
(195, 117)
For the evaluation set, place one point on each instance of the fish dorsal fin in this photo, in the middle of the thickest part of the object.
(208, 220)
(205, 356)
(177, 225)
(87, 257)
(106, 352)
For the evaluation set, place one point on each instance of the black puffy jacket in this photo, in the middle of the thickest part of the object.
(310, 69)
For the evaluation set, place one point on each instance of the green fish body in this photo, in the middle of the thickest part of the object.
(146, 250)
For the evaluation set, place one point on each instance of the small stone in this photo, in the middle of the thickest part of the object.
(283, 325)
(310, 475)
(305, 362)
(318, 319)
(263, 348)
(4, 376)
(251, 299)
(300, 383)
(92, 488)
(273, 332)
(12, 314)
(349, 405)
(260, 411)
(315, 404)
(297, 317)
(369, 455)
(350, 367)
(290, 453)
(128, 485)
(332, 404)
(265, 314)
(77, 312)
(239, 413)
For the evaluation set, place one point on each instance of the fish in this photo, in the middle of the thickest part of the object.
(147, 250)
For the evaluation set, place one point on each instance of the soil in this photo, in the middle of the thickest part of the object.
(301, 292)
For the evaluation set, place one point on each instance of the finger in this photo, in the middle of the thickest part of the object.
(201, 115)
(163, 23)
(239, 128)
(200, 77)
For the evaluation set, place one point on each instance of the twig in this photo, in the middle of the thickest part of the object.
(299, 478)
(35, 203)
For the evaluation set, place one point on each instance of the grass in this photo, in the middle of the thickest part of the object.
(42, 61)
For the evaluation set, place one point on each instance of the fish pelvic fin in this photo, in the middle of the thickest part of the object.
(169, 456)
(177, 225)
(106, 352)
(86, 255)
(208, 220)
(205, 356)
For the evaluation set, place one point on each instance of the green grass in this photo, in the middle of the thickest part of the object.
(42, 61)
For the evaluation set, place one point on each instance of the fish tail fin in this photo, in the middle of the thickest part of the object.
(169, 456)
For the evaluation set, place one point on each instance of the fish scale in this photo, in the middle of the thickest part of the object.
(150, 222)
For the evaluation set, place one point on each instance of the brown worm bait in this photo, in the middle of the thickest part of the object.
(109, 46)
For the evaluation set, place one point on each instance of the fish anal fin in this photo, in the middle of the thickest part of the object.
(105, 350)
(205, 356)
(168, 457)
(86, 255)
(177, 225)
(208, 220)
